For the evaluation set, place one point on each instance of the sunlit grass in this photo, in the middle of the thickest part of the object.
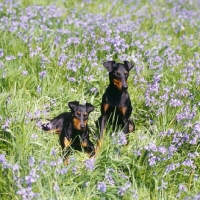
(48, 61)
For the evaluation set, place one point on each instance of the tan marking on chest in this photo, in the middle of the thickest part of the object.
(123, 110)
(105, 107)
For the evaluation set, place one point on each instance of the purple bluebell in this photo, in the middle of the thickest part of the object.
(101, 186)
(89, 164)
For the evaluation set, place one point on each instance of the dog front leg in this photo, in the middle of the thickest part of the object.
(88, 147)
(125, 125)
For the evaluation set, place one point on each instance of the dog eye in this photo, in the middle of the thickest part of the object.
(85, 115)
(126, 74)
(117, 73)
(78, 114)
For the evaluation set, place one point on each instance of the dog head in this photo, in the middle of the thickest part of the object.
(80, 114)
(118, 73)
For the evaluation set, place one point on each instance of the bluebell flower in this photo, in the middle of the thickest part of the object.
(2, 158)
(89, 164)
(56, 187)
(101, 186)
(31, 161)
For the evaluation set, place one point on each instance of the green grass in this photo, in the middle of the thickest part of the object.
(118, 166)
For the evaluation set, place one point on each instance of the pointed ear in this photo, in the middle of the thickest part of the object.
(89, 107)
(128, 65)
(73, 104)
(109, 65)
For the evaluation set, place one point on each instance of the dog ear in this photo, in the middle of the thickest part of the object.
(109, 65)
(73, 104)
(128, 65)
(89, 107)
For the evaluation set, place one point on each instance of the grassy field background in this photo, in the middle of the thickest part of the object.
(51, 52)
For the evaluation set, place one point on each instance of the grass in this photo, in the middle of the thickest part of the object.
(162, 158)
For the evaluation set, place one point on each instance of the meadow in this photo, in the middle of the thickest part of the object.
(51, 52)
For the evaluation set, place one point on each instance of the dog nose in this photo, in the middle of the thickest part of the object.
(125, 87)
(83, 126)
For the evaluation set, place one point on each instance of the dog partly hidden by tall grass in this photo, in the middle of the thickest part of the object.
(116, 104)
(72, 128)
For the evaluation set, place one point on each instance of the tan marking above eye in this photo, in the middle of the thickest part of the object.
(85, 114)
(78, 112)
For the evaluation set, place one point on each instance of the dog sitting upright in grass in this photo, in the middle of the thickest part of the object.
(116, 101)
(72, 127)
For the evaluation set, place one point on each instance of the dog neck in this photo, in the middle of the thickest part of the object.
(114, 96)
(114, 91)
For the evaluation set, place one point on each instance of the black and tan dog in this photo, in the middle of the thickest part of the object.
(116, 101)
(72, 127)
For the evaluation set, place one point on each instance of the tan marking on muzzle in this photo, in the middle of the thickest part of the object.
(117, 83)
(77, 124)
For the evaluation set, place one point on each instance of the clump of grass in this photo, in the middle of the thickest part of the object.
(51, 54)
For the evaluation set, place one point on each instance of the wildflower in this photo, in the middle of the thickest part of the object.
(71, 79)
(196, 177)
(181, 188)
(53, 163)
(34, 136)
(1, 53)
(6, 124)
(94, 90)
(15, 167)
(152, 160)
(188, 163)
(175, 103)
(120, 138)
(196, 127)
(87, 184)
(162, 149)
(32, 177)
(109, 177)
(31, 161)
(56, 187)
(2, 158)
(74, 169)
(101, 186)
(53, 152)
(27, 193)
(89, 164)
(9, 58)
(163, 185)
(62, 171)
(42, 74)
(122, 190)
(71, 160)
(4, 74)
(25, 72)
(39, 89)
(135, 195)
(20, 55)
